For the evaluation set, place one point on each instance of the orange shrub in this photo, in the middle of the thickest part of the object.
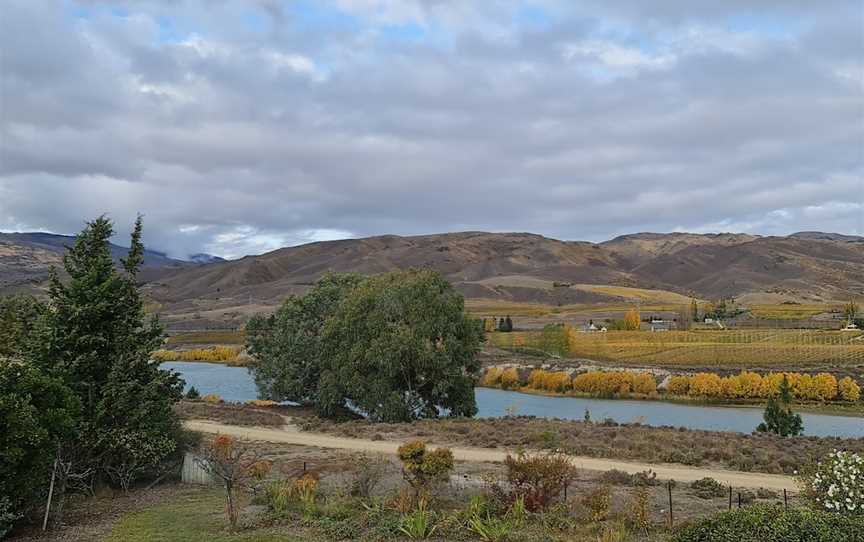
(826, 387)
(492, 377)
(678, 385)
(510, 379)
(705, 385)
(644, 383)
(211, 398)
(849, 389)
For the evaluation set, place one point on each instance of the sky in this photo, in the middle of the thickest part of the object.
(240, 126)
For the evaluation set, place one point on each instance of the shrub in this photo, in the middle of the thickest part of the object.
(490, 528)
(761, 523)
(193, 394)
(422, 468)
(538, 479)
(418, 525)
(640, 512)
(708, 488)
(492, 377)
(368, 472)
(597, 502)
(849, 389)
(237, 465)
(211, 398)
(837, 483)
(510, 379)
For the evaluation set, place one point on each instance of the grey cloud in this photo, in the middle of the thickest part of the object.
(231, 140)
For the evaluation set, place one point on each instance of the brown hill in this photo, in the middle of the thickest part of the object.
(511, 267)
(522, 267)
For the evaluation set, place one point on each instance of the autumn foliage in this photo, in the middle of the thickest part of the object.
(822, 387)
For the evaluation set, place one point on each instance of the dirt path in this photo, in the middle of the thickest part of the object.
(290, 434)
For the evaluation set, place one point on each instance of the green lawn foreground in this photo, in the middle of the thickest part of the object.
(194, 517)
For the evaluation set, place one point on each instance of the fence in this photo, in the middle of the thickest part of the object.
(193, 473)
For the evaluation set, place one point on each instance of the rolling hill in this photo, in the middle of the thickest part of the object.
(809, 267)
(25, 258)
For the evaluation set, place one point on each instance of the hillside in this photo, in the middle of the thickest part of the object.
(505, 267)
(25, 258)
(523, 267)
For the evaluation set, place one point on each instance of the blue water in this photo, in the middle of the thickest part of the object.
(236, 384)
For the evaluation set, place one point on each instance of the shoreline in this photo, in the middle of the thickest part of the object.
(854, 410)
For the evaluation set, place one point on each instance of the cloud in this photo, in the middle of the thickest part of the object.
(237, 127)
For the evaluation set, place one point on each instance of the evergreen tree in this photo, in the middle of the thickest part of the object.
(96, 340)
(779, 418)
(694, 310)
(501, 324)
(508, 324)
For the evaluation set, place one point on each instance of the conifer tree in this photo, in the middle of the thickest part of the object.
(779, 418)
(97, 340)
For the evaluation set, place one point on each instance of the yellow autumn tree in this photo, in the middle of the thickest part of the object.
(632, 320)
(510, 379)
(849, 389)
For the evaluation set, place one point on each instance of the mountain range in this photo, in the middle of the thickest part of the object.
(512, 267)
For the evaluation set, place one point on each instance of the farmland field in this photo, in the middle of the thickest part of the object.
(733, 349)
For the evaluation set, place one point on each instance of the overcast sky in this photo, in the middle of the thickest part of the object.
(238, 126)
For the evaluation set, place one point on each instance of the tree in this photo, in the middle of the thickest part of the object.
(19, 319)
(396, 347)
(400, 347)
(95, 338)
(36, 413)
(694, 310)
(508, 324)
(237, 465)
(632, 320)
(779, 418)
(286, 348)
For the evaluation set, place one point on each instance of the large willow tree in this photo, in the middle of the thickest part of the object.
(396, 347)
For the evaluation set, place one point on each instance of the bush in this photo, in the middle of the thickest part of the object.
(193, 394)
(211, 398)
(597, 502)
(761, 523)
(537, 479)
(422, 468)
(836, 484)
(708, 488)
(368, 472)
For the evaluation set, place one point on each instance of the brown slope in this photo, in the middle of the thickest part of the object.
(815, 269)
(638, 248)
(463, 258)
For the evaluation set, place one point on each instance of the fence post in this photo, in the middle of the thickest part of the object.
(739, 499)
(730, 497)
(785, 500)
(671, 517)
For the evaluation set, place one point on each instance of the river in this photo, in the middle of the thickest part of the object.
(236, 384)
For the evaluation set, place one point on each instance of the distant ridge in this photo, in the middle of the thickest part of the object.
(513, 267)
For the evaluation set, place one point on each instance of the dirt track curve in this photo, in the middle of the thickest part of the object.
(290, 434)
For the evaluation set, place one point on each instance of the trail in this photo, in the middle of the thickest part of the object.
(290, 434)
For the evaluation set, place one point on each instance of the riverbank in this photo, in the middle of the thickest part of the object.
(837, 409)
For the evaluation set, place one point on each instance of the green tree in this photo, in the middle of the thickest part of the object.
(19, 320)
(399, 347)
(286, 347)
(508, 324)
(97, 339)
(779, 418)
(396, 346)
(694, 310)
(36, 413)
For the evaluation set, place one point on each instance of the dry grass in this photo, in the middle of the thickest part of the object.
(757, 452)
(229, 414)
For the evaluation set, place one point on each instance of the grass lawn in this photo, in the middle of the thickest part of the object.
(195, 517)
